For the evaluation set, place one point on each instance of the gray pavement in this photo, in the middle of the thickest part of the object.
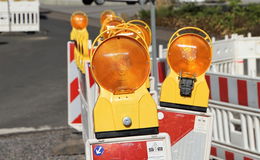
(60, 144)
(33, 76)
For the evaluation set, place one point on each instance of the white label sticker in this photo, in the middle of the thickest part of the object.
(156, 150)
(201, 124)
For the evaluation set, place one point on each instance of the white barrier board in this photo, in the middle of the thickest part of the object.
(150, 147)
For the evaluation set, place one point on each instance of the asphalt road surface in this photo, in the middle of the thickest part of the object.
(33, 76)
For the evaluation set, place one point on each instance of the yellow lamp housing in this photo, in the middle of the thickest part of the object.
(189, 56)
(120, 65)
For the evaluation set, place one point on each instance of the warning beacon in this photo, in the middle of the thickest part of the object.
(120, 65)
(110, 23)
(79, 34)
(145, 29)
(106, 14)
(189, 56)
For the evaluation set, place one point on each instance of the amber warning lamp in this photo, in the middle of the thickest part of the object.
(145, 29)
(79, 20)
(109, 24)
(189, 57)
(106, 14)
(130, 30)
(120, 66)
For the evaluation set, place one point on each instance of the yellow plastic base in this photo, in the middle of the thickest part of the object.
(170, 92)
(110, 110)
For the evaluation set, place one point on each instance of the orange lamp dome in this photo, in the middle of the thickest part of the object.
(109, 24)
(106, 14)
(189, 55)
(79, 20)
(120, 64)
(130, 30)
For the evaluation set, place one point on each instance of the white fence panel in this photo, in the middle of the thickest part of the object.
(4, 16)
(19, 16)
(236, 126)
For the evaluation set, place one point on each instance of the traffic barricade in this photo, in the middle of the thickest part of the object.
(155, 147)
(19, 15)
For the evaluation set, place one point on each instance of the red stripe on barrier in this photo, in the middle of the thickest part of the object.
(72, 51)
(183, 124)
(246, 158)
(122, 151)
(74, 89)
(223, 89)
(208, 82)
(213, 151)
(77, 120)
(242, 92)
(91, 79)
(258, 89)
(161, 71)
(229, 155)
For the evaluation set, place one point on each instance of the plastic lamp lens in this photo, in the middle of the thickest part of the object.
(106, 14)
(189, 55)
(79, 20)
(120, 65)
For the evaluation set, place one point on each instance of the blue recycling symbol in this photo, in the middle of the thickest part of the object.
(99, 150)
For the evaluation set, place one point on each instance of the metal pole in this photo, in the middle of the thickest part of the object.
(154, 47)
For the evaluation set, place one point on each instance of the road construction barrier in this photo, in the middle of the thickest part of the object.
(230, 57)
(78, 80)
(150, 147)
(236, 127)
(74, 103)
(239, 90)
(19, 16)
(190, 132)
(236, 131)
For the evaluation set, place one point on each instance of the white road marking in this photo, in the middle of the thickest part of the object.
(5, 131)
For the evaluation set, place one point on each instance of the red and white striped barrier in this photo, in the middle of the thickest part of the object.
(234, 89)
(236, 131)
(228, 153)
(239, 90)
(74, 103)
(190, 133)
(84, 84)
(149, 147)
